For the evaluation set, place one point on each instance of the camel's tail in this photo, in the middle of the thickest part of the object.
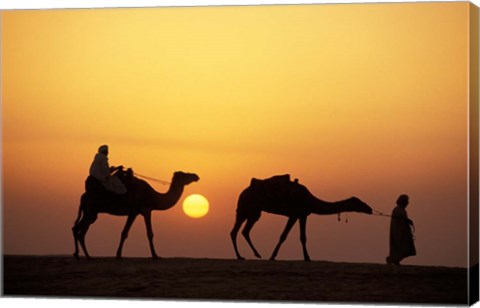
(80, 211)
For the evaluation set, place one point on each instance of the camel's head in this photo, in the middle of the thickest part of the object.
(360, 206)
(185, 178)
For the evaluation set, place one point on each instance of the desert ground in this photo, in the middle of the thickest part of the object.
(231, 280)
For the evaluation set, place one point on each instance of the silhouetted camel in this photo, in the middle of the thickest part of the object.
(288, 199)
(142, 200)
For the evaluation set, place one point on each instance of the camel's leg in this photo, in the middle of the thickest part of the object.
(303, 237)
(148, 224)
(246, 233)
(126, 229)
(75, 238)
(283, 236)
(233, 234)
(76, 230)
(82, 242)
(84, 225)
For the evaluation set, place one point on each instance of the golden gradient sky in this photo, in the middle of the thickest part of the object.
(368, 100)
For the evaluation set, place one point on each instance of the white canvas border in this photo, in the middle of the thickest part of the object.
(54, 4)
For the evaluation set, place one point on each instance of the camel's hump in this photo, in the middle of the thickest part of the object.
(274, 180)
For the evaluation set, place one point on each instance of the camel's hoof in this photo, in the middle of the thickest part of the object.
(155, 257)
(241, 258)
(75, 255)
(272, 259)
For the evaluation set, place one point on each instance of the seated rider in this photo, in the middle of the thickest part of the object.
(101, 171)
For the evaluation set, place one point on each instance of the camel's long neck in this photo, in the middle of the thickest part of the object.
(170, 198)
(324, 208)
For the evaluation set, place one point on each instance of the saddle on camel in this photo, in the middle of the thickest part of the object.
(97, 190)
(278, 188)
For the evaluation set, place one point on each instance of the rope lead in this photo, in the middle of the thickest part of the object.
(378, 213)
(152, 179)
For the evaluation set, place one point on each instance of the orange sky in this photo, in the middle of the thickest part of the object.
(368, 100)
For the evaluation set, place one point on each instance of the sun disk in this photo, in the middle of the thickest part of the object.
(195, 206)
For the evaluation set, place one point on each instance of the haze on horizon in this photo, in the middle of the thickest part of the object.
(365, 100)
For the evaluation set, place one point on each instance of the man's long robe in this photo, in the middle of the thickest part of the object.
(401, 237)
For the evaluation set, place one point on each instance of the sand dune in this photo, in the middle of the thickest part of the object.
(176, 278)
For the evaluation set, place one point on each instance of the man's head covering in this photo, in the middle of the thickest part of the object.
(103, 149)
(402, 200)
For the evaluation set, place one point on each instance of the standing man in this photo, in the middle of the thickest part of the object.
(401, 236)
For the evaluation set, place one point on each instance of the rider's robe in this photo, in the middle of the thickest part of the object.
(101, 171)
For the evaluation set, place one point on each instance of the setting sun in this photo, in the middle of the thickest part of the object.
(195, 206)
